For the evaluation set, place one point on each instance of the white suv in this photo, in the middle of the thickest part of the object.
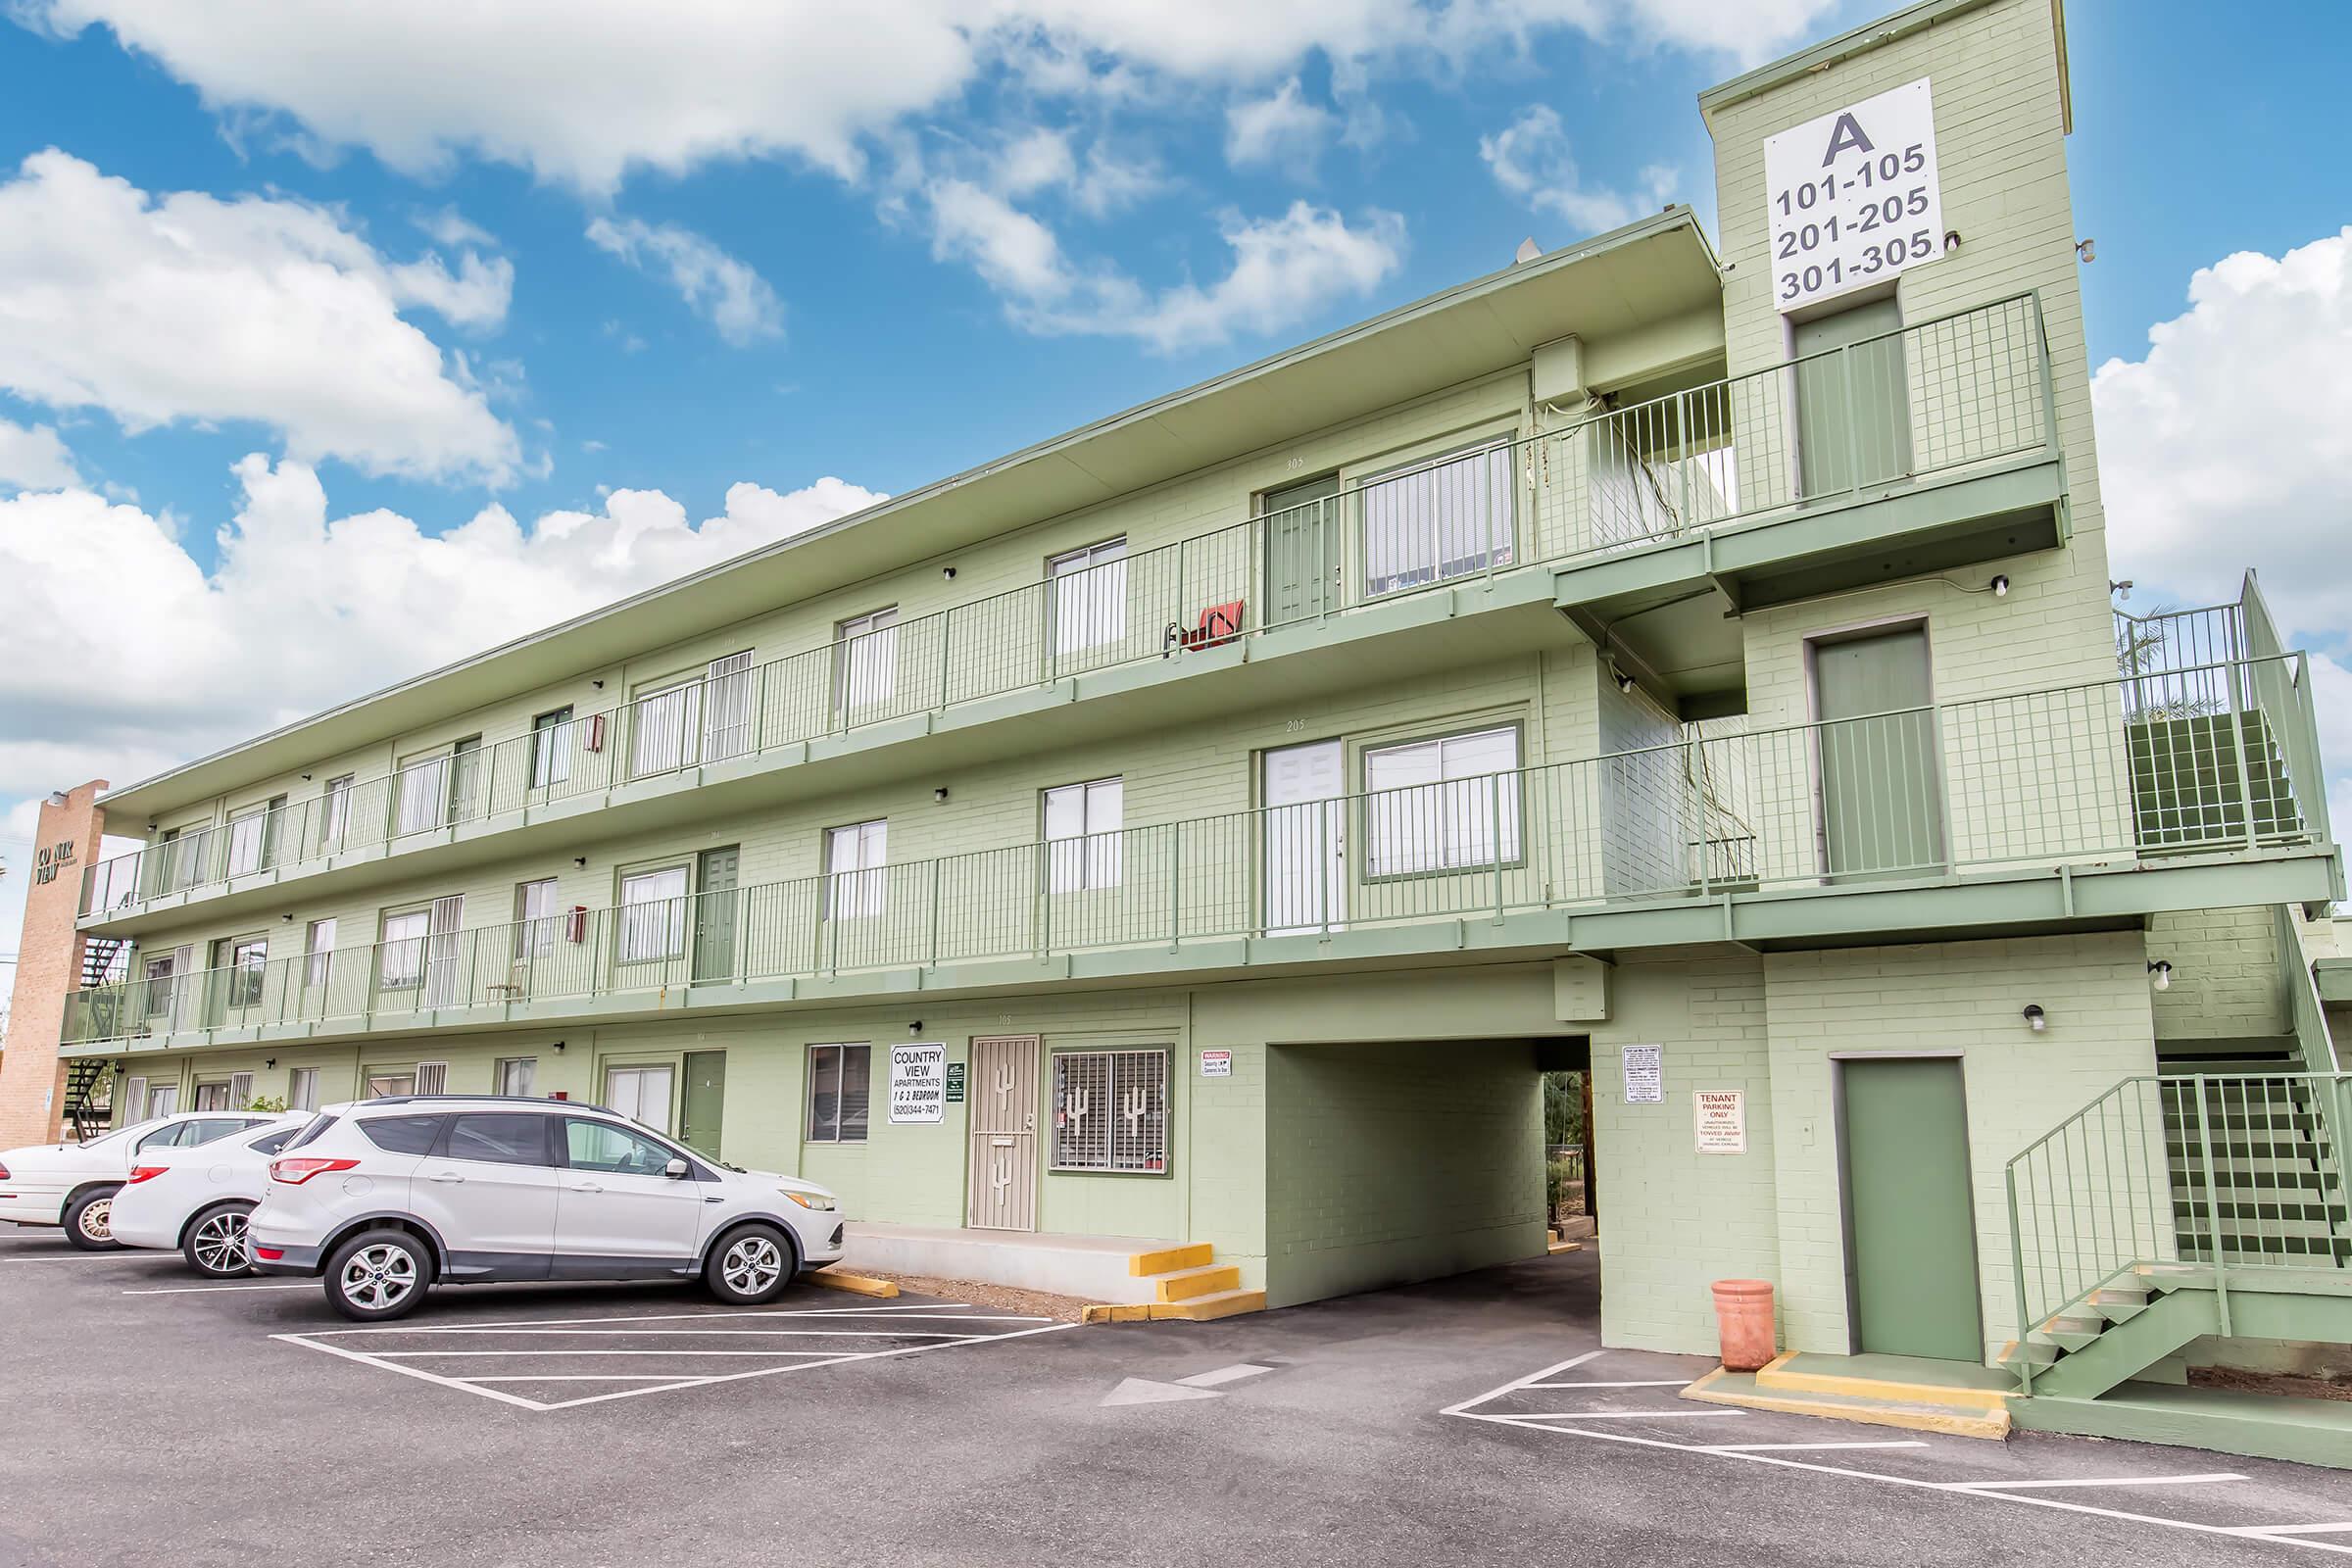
(386, 1196)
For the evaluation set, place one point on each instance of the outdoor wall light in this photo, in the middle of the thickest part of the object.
(2036, 1019)
(306, 779)
(2163, 971)
(915, 1028)
(579, 862)
(1951, 239)
(288, 918)
(939, 794)
(269, 1061)
(119, 1069)
(598, 684)
(1625, 682)
(2000, 586)
(558, 1048)
(946, 574)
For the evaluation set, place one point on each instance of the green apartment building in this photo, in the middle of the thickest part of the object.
(1204, 828)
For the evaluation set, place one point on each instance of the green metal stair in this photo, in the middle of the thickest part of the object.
(85, 1114)
(2266, 1191)
(2192, 779)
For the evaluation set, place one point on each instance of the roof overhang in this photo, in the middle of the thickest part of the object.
(1658, 269)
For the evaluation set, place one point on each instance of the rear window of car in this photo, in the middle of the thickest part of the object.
(274, 1142)
(402, 1134)
(499, 1138)
(311, 1130)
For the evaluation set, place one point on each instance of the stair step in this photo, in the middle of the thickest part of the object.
(1721, 1386)
(1185, 1284)
(1216, 1305)
(1190, 1255)
(2029, 1352)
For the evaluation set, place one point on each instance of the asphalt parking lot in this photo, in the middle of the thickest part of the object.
(153, 1418)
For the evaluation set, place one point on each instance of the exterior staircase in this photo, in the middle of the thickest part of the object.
(85, 1113)
(1186, 1283)
(2201, 777)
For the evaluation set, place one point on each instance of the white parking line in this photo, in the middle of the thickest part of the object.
(883, 1320)
(1647, 1383)
(2090, 1481)
(190, 1290)
(1779, 1447)
(1612, 1415)
(100, 1258)
(2010, 1492)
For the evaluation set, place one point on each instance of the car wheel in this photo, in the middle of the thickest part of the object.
(87, 1220)
(751, 1266)
(216, 1245)
(378, 1275)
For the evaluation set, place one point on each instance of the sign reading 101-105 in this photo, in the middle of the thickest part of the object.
(1853, 196)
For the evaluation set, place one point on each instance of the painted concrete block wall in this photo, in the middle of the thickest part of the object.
(2226, 975)
(1400, 1163)
(1962, 998)
(1673, 1221)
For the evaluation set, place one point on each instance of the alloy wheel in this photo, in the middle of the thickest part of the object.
(379, 1277)
(220, 1244)
(752, 1264)
(96, 1220)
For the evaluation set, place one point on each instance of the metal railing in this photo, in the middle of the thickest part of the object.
(1950, 787)
(2239, 1174)
(1931, 397)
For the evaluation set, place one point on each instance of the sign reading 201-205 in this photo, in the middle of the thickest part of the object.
(1853, 196)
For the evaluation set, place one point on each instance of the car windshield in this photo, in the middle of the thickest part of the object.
(120, 1132)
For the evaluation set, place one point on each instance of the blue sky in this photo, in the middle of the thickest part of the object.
(561, 322)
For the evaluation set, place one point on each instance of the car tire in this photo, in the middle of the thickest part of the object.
(216, 1245)
(379, 1275)
(751, 1265)
(86, 1219)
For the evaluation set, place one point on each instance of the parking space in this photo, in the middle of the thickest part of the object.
(1631, 1398)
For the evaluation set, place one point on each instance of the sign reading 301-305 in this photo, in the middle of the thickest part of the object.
(1853, 196)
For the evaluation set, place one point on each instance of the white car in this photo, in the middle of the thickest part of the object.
(196, 1200)
(385, 1197)
(74, 1185)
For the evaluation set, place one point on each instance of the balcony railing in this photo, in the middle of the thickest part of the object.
(2077, 773)
(1933, 397)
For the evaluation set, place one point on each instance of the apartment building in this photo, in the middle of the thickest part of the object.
(1693, 665)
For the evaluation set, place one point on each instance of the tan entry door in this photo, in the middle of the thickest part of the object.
(1002, 1181)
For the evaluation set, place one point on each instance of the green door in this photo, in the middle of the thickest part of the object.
(1300, 532)
(705, 1101)
(1853, 408)
(1910, 1223)
(714, 915)
(1876, 748)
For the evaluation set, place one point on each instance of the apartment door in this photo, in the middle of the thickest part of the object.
(714, 915)
(1301, 551)
(1878, 751)
(1002, 1184)
(641, 1094)
(1910, 1220)
(1854, 409)
(705, 1101)
(442, 976)
(1305, 839)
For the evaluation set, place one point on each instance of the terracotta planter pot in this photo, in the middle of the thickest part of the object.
(1744, 1319)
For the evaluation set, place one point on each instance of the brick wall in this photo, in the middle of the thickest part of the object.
(48, 965)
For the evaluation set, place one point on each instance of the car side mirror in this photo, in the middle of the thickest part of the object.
(676, 1171)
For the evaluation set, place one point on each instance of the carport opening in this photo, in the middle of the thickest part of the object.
(1571, 1192)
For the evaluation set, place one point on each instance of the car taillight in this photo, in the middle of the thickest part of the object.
(140, 1174)
(269, 1255)
(3, 1173)
(296, 1172)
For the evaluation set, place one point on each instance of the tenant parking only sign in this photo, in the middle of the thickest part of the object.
(918, 1083)
(1853, 197)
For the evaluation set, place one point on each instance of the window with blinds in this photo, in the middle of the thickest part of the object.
(1110, 1110)
(1443, 804)
(839, 1084)
(1437, 520)
(1083, 846)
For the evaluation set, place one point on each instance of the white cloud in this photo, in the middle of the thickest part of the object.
(727, 292)
(1282, 130)
(34, 459)
(186, 307)
(453, 228)
(1531, 160)
(670, 87)
(303, 609)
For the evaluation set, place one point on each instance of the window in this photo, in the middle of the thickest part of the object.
(728, 707)
(401, 955)
(1435, 520)
(839, 1077)
(318, 946)
(515, 1076)
(652, 915)
(866, 667)
(252, 833)
(1430, 806)
(334, 811)
(551, 749)
(601, 1145)
(1110, 1110)
(160, 984)
(163, 1100)
(854, 857)
(273, 1142)
(212, 1097)
(1082, 846)
(402, 1134)
(1090, 596)
(383, 1085)
(248, 967)
(302, 1089)
(421, 788)
(464, 779)
(538, 921)
(498, 1138)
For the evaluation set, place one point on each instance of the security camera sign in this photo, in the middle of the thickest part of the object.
(918, 1083)
(1853, 197)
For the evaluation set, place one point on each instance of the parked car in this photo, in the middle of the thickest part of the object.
(74, 1185)
(386, 1197)
(196, 1199)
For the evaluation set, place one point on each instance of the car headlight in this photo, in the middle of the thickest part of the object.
(814, 1200)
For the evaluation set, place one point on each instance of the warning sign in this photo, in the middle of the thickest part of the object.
(1720, 1118)
(1216, 1064)
(1644, 1075)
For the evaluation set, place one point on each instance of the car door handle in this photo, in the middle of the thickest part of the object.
(587, 1186)
(447, 1176)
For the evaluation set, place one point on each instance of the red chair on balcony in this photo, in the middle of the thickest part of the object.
(1219, 625)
